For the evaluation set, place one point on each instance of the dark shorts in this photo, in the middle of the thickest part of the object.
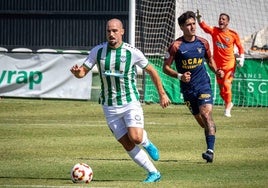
(194, 99)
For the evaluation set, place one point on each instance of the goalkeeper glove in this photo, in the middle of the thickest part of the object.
(241, 61)
(198, 16)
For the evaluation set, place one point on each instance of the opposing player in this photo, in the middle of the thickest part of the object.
(224, 40)
(116, 61)
(190, 52)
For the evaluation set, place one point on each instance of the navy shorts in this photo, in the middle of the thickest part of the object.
(194, 99)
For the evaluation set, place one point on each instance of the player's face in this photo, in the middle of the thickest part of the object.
(189, 28)
(114, 33)
(223, 22)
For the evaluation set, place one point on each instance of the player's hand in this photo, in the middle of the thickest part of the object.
(76, 70)
(241, 61)
(220, 73)
(164, 101)
(186, 77)
(198, 16)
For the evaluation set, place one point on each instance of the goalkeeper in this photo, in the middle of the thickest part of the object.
(224, 40)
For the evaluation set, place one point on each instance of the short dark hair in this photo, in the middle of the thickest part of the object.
(185, 16)
(224, 14)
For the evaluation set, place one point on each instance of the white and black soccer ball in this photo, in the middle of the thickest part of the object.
(81, 173)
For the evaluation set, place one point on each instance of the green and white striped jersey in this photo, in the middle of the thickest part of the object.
(117, 70)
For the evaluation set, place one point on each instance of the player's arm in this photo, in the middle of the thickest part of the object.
(240, 59)
(185, 77)
(79, 72)
(213, 67)
(90, 61)
(202, 23)
(210, 60)
(167, 67)
(164, 100)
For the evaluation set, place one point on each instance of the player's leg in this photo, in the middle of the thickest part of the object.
(225, 86)
(140, 157)
(191, 102)
(134, 120)
(199, 120)
(137, 154)
(228, 93)
(205, 103)
(209, 130)
(139, 136)
(220, 82)
(127, 127)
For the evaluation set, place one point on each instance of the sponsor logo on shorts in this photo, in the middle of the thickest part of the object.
(137, 117)
(204, 96)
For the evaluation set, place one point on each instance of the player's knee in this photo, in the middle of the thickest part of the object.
(126, 142)
(135, 138)
(207, 119)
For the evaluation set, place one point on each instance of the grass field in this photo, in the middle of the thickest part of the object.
(42, 139)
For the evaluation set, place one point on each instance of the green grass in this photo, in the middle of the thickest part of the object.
(42, 139)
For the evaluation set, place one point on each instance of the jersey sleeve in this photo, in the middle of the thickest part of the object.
(206, 28)
(173, 48)
(140, 59)
(91, 58)
(239, 44)
(208, 52)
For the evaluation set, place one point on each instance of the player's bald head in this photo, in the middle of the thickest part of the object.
(114, 32)
(116, 22)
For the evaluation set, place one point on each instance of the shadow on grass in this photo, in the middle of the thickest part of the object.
(32, 178)
(65, 179)
(160, 161)
(102, 159)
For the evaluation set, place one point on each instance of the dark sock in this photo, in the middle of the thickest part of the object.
(210, 139)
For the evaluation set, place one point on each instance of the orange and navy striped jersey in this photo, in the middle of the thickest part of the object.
(223, 45)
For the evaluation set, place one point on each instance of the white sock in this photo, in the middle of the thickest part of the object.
(145, 141)
(210, 150)
(141, 158)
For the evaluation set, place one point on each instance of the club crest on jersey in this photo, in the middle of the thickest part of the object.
(227, 39)
(167, 55)
(123, 59)
(199, 50)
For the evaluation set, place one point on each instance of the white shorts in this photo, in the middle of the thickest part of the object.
(120, 118)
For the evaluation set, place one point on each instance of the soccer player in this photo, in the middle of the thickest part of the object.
(224, 40)
(116, 62)
(190, 52)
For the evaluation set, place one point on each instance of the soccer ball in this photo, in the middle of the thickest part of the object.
(81, 173)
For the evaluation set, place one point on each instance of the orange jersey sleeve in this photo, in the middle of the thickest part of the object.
(223, 45)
